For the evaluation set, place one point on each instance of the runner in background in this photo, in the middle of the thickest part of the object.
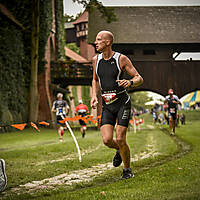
(172, 101)
(61, 108)
(82, 110)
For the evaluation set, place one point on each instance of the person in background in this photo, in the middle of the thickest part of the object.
(172, 101)
(61, 108)
(108, 69)
(182, 118)
(161, 118)
(177, 119)
(3, 177)
(82, 110)
(154, 115)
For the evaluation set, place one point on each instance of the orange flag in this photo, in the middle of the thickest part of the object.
(19, 126)
(34, 126)
(44, 123)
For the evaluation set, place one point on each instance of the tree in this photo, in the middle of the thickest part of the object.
(138, 99)
(34, 98)
(71, 18)
(106, 12)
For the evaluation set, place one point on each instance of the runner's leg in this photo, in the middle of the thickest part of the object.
(107, 136)
(123, 146)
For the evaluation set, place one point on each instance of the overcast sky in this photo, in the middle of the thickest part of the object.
(72, 8)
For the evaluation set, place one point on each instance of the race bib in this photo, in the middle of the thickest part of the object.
(109, 97)
(172, 110)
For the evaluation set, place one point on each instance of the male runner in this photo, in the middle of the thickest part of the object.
(3, 178)
(172, 101)
(61, 108)
(108, 68)
(82, 110)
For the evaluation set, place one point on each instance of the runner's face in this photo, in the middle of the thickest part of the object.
(100, 42)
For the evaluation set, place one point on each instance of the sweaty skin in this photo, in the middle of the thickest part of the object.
(104, 40)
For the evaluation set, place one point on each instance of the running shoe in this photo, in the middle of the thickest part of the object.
(127, 173)
(117, 160)
(3, 178)
(172, 133)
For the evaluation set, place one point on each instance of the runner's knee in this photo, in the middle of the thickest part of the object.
(107, 141)
(120, 141)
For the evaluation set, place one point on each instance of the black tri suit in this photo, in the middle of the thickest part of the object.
(116, 104)
(172, 107)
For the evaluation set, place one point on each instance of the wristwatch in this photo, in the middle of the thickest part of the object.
(131, 82)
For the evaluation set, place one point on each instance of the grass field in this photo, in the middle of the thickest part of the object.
(38, 166)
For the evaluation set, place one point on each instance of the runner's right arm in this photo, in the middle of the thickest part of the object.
(94, 99)
(53, 107)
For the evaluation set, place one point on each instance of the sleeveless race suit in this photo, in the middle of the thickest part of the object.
(116, 104)
(82, 110)
(60, 107)
(172, 107)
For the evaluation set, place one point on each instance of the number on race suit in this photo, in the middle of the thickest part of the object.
(109, 97)
(172, 110)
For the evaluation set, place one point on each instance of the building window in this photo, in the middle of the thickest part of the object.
(149, 52)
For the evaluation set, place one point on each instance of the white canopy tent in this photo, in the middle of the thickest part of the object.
(151, 103)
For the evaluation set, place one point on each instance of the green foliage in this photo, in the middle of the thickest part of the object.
(60, 31)
(12, 64)
(138, 99)
(71, 18)
(45, 28)
(15, 54)
(86, 95)
(75, 96)
(92, 5)
(73, 47)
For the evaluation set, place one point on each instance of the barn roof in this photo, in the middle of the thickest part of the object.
(161, 24)
(82, 18)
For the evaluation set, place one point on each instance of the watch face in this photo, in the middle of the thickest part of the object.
(131, 82)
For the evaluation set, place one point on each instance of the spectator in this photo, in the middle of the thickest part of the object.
(161, 118)
(182, 119)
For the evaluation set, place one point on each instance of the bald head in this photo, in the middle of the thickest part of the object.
(107, 35)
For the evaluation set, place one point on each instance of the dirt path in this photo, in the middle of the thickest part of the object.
(76, 176)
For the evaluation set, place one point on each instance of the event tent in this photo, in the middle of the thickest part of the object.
(151, 103)
(192, 98)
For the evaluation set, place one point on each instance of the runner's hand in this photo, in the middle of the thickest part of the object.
(124, 83)
(94, 102)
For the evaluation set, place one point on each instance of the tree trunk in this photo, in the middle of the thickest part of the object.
(34, 97)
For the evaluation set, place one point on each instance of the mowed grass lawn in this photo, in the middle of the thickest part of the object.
(163, 169)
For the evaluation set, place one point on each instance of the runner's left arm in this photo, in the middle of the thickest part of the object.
(126, 64)
(177, 101)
